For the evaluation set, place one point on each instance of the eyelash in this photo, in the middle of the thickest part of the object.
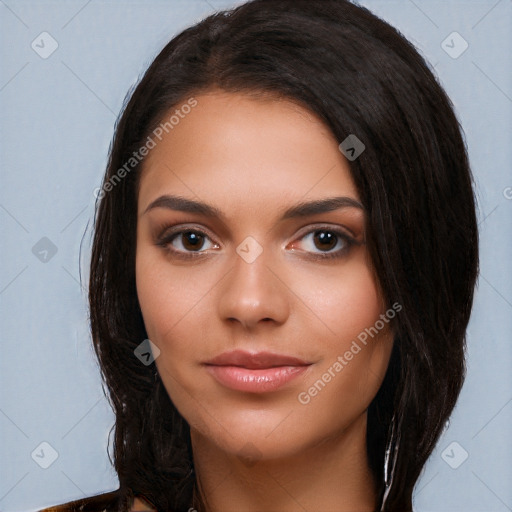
(166, 237)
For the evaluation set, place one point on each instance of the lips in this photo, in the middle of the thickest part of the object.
(256, 360)
(255, 372)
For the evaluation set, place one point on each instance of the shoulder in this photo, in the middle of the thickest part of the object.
(106, 502)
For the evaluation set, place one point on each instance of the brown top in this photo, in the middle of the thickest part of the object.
(100, 503)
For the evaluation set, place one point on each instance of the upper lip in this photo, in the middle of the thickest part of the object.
(255, 360)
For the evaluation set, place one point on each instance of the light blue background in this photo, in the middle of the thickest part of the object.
(57, 119)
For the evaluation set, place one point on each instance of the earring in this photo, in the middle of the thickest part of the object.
(390, 461)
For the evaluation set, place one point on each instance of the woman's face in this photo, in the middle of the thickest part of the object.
(256, 271)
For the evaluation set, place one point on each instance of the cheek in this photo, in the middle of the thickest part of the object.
(152, 290)
(344, 303)
(170, 300)
(355, 343)
(168, 295)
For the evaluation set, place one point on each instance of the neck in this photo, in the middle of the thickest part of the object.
(332, 475)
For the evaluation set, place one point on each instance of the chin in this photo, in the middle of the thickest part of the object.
(271, 433)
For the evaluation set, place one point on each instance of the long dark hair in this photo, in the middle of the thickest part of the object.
(362, 77)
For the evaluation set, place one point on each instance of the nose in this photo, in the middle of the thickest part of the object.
(254, 292)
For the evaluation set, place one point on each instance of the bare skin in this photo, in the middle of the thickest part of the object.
(141, 506)
(291, 449)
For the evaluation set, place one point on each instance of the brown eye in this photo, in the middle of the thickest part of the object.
(325, 240)
(185, 242)
(191, 240)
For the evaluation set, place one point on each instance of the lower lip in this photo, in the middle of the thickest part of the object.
(255, 381)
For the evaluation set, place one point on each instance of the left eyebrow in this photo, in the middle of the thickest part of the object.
(302, 209)
(305, 209)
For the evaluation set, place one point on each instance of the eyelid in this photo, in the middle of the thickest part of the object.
(340, 232)
(168, 233)
(335, 228)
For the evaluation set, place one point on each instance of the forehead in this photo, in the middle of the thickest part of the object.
(232, 145)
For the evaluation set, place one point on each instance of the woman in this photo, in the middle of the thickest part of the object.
(283, 267)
